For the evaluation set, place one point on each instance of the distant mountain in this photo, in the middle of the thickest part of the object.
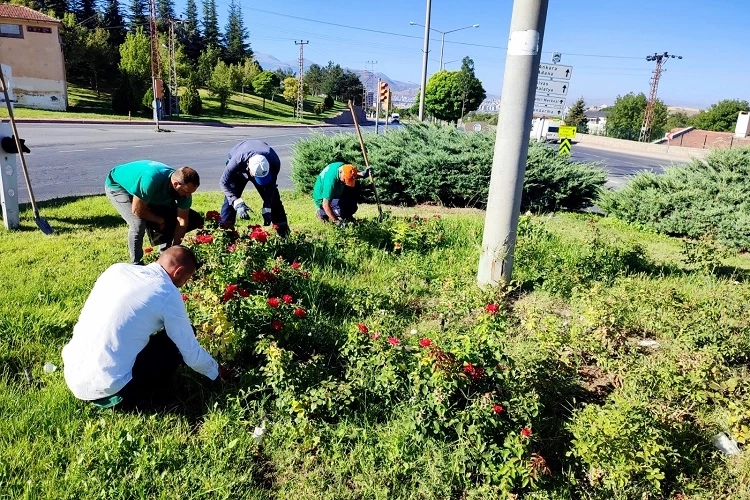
(271, 63)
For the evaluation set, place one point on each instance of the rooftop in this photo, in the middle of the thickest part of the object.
(24, 13)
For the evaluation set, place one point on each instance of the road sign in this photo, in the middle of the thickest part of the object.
(554, 112)
(556, 56)
(564, 147)
(551, 87)
(555, 71)
(567, 131)
(549, 101)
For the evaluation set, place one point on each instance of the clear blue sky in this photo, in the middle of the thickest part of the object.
(711, 36)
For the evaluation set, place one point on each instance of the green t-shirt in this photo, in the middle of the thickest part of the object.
(149, 181)
(328, 185)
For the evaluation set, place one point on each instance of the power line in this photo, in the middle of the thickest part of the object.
(382, 32)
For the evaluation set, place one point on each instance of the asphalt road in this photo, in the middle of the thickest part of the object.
(73, 159)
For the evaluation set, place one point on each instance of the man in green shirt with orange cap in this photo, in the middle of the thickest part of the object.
(335, 193)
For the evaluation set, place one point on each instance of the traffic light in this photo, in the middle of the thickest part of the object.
(383, 91)
(387, 102)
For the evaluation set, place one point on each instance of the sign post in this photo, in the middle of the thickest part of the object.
(551, 88)
(566, 132)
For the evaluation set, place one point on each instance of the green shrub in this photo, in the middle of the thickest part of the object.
(430, 164)
(191, 102)
(710, 197)
(125, 98)
(148, 99)
(318, 109)
(328, 102)
(544, 260)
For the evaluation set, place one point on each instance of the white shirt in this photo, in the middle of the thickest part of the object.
(127, 305)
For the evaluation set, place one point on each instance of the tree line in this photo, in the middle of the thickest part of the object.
(110, 46)
(625, 117)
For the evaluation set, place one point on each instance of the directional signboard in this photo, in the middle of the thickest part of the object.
(549, 101)
(552, 87)
(557, 71)
(548, 111)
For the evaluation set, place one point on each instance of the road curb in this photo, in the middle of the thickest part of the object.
(172, 123)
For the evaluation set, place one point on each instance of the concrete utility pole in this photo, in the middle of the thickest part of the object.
(648, 115)
(174, 87)
(156, 80)
(426, 52)
(300, 95)
(367, 85)
(512, 141)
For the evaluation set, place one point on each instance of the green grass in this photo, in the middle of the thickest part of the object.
(85, 104)
(52, 446)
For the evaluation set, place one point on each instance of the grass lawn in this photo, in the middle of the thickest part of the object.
(358, 416)
(85, 104)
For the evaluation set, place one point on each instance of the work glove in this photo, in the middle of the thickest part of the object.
(243, 211)
(266, 213)
(368, 172)
(340, 223)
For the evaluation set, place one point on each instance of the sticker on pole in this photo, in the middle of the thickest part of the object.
(523, 43)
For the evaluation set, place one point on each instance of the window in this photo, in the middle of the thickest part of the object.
(11, 30)
(38, 29)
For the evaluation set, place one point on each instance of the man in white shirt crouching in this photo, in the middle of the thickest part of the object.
(134, 332)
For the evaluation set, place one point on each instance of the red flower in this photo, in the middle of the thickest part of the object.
(184, 297)
(213, 215)
(273, 302)
(375, 336)
(204, 238)
(393, 341)
(277, 324)
(259, 234)
(243, 292)
(288, 299)
(492, 308)
(229, 292)
(306, 275)
(231, 248)
(296, 265)
(260, 276)
(497, 409)
(148, 250)
(362, 328)
(425, 342)
(526, 432)
(475, 373)
(300, 313)
(276, 269)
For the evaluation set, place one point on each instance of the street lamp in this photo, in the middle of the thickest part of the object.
(442, 39)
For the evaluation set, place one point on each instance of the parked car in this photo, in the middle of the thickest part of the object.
(395, 118)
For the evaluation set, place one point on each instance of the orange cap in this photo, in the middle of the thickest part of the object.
(349, 174)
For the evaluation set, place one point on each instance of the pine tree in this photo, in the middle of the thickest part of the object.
(165, 10)
(577, 116)
(137, 15)
(113, 22)
(86, 14)
(236, 35)
(189, 34)
(59, 7)
(211, 33)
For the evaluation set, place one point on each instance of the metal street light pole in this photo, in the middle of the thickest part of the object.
(426, 51)
(442, 37)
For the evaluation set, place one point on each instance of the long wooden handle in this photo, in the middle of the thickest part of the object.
(18, 142)
(367, 162)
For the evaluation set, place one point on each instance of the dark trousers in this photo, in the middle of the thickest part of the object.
(153, 370)
(344, 207)
(271, 202)
(165, 237)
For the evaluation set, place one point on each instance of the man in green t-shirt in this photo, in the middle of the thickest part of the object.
(335, 192)
(151, 195)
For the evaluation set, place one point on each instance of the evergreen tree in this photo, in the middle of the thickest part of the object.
(165, 10)
(113, 22)
(211, 34)
(189, 33)
(472, 92)
(235, 35)
(86, 14)
(577, 116)
(137, 15)
(59, 7)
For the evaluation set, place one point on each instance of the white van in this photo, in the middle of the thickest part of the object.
(395, 118)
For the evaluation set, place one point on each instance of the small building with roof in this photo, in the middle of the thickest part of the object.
(32, 58)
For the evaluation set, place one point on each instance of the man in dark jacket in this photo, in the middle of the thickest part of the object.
(253, 161)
